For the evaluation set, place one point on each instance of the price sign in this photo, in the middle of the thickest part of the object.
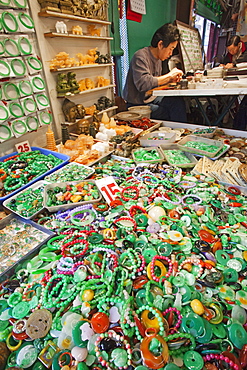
(108, 188)
(23, 147)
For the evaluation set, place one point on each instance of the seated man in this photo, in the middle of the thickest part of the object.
(237, 53)
(145, 74)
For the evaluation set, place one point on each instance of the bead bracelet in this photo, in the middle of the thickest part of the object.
(153, 264)
(217, 357)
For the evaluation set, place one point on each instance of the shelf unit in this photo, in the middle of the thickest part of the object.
(52, 43)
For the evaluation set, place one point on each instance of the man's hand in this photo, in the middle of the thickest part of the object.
(175, 74)
(228, 65)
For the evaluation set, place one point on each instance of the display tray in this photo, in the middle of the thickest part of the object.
(63, 157)
(37, 185)
(102, 159)
(224, 149)
(67, 173)
(205, 131)
(199, 139)
(191, 159)
(164, 137)
(16, 261)
(65, 206)
(145, 160)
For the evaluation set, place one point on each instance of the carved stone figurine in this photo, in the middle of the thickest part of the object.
(83, 127)
(62, 84)
(80, 111)
(61, 27)
(69, 110)
(72, 83)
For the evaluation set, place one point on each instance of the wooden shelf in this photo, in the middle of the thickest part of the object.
(88, 91)
(86, 66)
(89, 116)
(72, 17)
(54, 34)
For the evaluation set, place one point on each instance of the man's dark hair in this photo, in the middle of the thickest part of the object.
(234, 40)
(167, 33)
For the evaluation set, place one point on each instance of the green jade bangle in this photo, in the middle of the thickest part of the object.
(16, 110)
(38, 83)
(18, 67)
(78, 221)
(25, 88)
(2, 49)
(10, 43)
(19, 127)
(42, 100)
(4, 69)
(11, 91)
(32, 105)
(25, 46)
(8, 133)
(45, 118)
(4, 114)
(34, 63)
(6, 19)
(26, 21)
(20, 3)
(32, 123)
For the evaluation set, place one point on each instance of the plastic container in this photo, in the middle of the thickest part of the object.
(27, 253)
(143, 110)
(205, 131)
(159, 153)
(191, 159)
(68, 205)
(199, 139)
(58, 176)
(36, 185)
(162, 138)
(63, 157)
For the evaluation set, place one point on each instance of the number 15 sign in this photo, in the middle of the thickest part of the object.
(108, 188)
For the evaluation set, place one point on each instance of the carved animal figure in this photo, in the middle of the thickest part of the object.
(93, 31)
(77, 30)
(61, 27)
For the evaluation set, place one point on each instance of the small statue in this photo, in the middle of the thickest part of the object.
(96, 120)
(65, 132)
(103, 59)
(69, 110)
(83, 127)
(92, 129)
(80, 111)
(103, 103)
(76, 7)
(93, 31)
(62, 84)
(85, 9)
(72, 83)
(61, 27)
(77, 30)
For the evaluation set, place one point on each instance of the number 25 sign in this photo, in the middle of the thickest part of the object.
(108, 188)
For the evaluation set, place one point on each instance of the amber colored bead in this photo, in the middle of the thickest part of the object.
(100, 322)
(87, 295)
(243, 356)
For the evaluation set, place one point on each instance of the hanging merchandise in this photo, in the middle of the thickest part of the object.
(25, 88)
(16, 110)
(19, 128)
(26, 23)
(32, 123)
(25, 46)
(4, 113)
(131, 15)
(11, 47)
(9, 22)
(18, 67)
(45, 118)
(19, 3)
(11, 91)
(5, 133)
(5, 70)
(138, 6)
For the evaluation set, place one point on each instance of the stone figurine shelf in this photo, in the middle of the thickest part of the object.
(85, 67)
(72, 17)
(88, 116)
(55, 34)
(87, 91)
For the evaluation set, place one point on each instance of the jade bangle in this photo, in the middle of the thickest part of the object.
(12, 18)
(10, 43)
(4, 2)
(32, 61)
(42, 100)
(8, 88)
(7, 131)
(2, 48)
(25, 20)
(20, 3)
(21, 124)
(16, 110)
(79, 222)
(38, 83)
(28, 109)
(19, 69)
(4, 69)
(32, 123)
(45, 118)
(25, 88)
(4, 114)
(22, 42)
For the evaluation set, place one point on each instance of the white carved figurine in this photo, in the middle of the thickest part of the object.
(61, 27)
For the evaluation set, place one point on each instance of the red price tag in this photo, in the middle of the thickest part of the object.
(108, 188)
(23, 147)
